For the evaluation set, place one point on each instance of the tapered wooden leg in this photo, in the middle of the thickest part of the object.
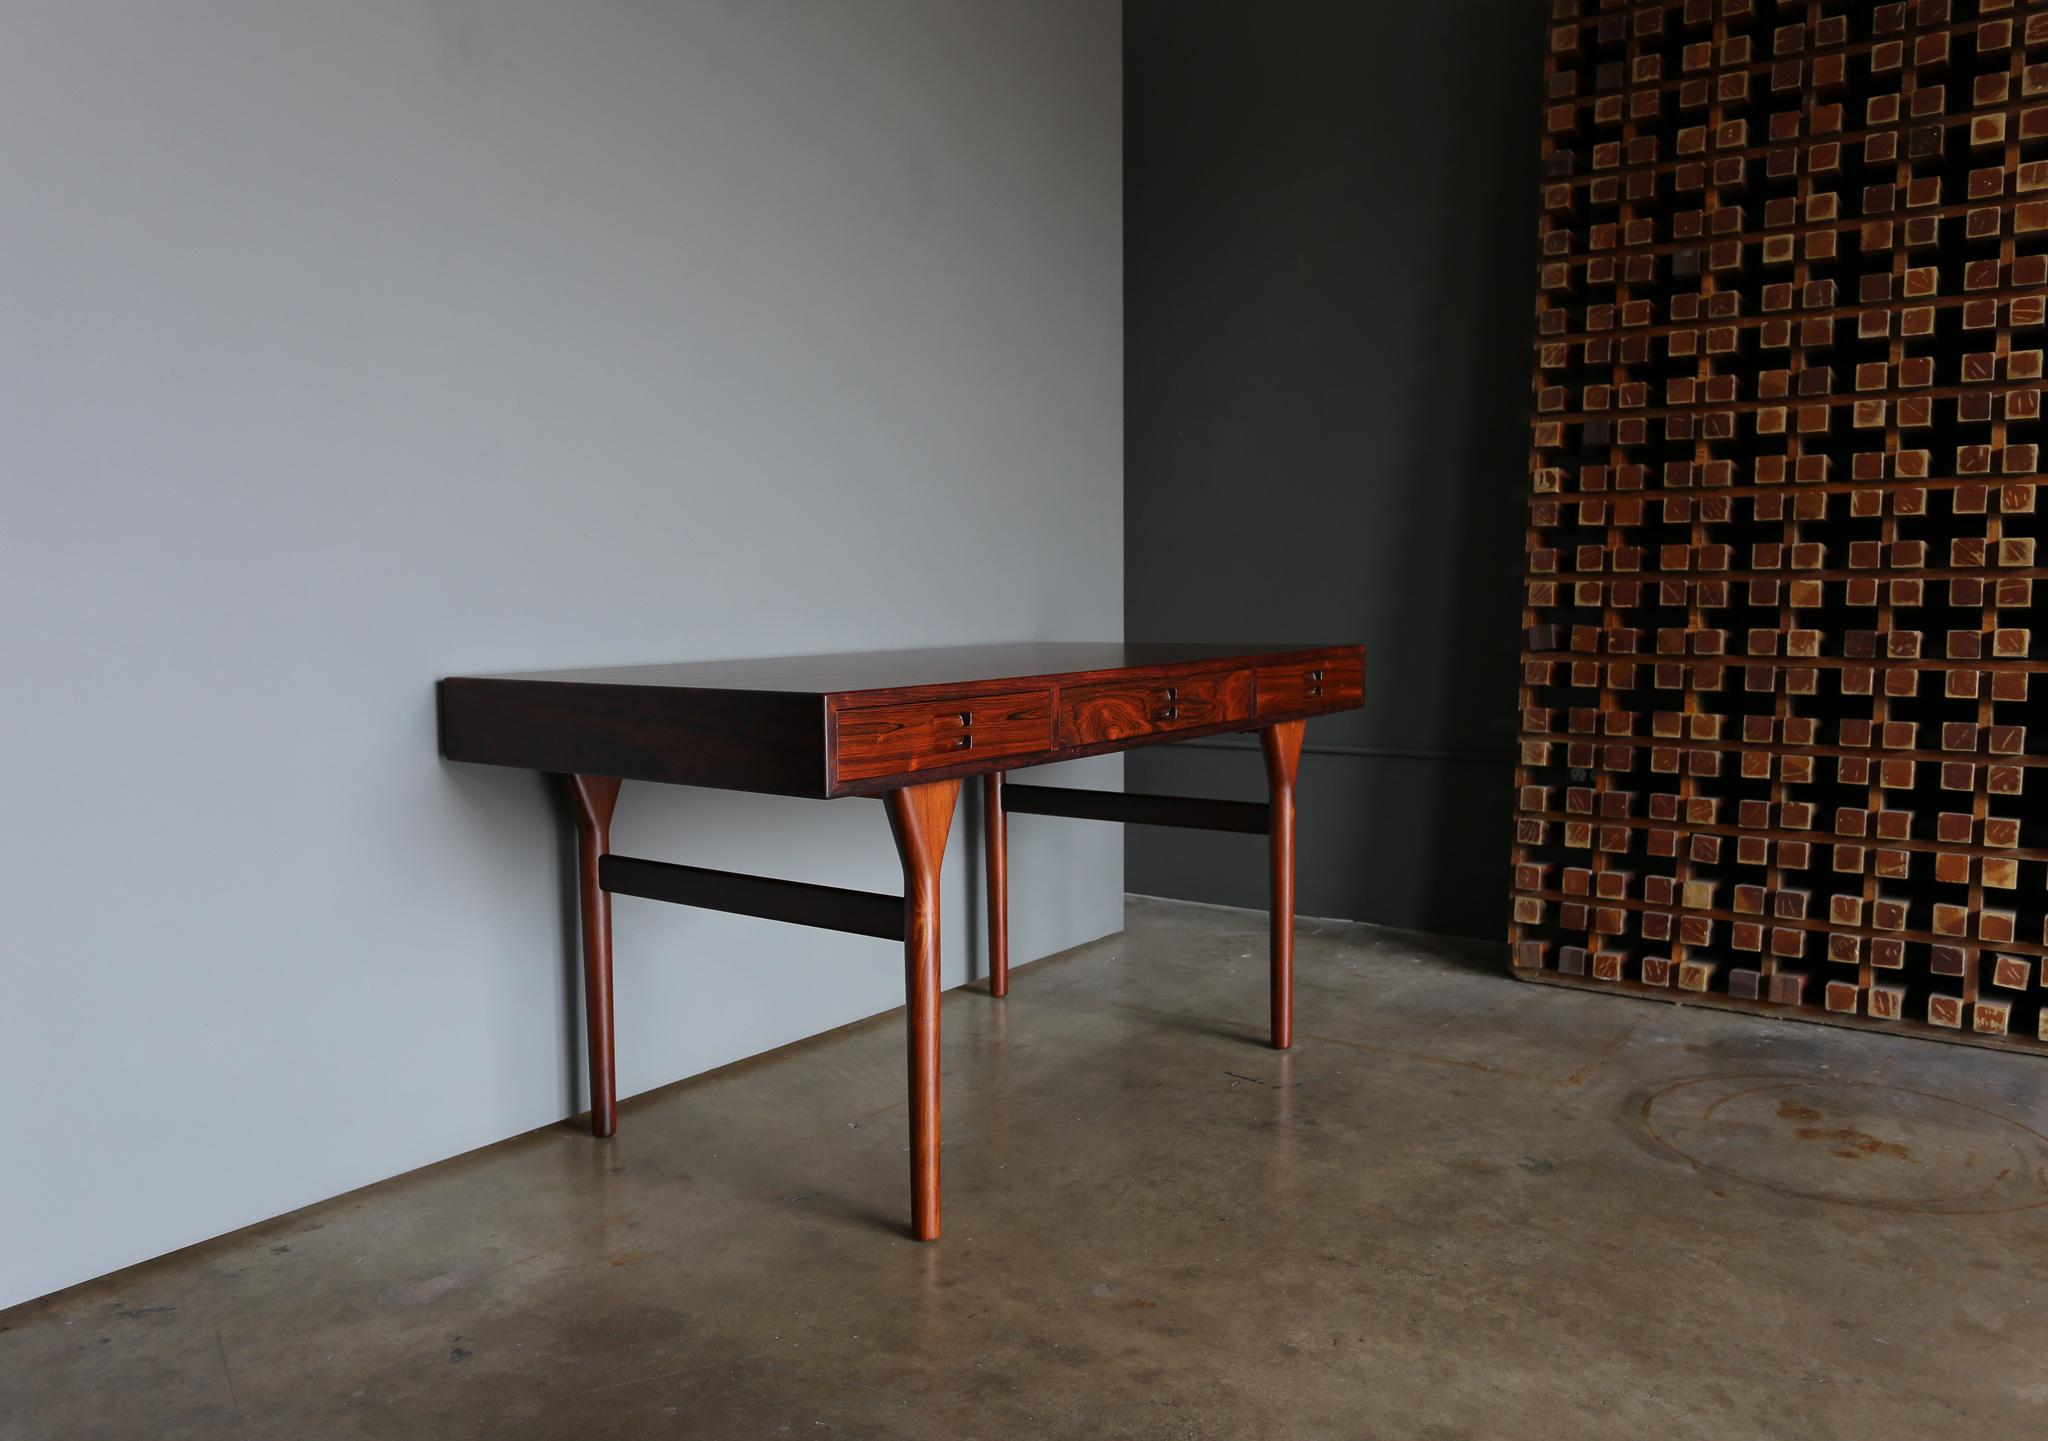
(594, 798)
(919, 818)
(1281, 745)
(996, 848)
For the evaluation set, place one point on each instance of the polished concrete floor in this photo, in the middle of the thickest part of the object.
(1461, 1207)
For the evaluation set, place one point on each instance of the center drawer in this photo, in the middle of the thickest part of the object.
(1114, 710)
(892, 739)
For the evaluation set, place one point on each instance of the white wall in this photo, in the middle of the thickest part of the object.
(344, 346)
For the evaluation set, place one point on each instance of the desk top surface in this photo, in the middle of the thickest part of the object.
(833, 725)
(892, 669)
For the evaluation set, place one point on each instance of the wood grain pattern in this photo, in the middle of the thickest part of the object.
(893, 740)
(1780, 710)
(1336, 683)
(1122, 709)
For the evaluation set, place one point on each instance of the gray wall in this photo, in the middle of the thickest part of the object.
(1330, 247)
(348, 345)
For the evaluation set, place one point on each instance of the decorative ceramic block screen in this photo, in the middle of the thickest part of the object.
(1783, 718)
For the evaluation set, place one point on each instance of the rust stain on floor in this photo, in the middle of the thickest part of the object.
(1862, 1143)
(1606, 1053)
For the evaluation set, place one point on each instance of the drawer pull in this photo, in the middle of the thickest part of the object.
(966, 743)
(1315, 675)
(1172, 712)
(1173, 692)
(967, 717)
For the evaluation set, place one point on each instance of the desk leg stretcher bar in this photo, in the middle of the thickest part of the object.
(919, 817)
(1281, 745)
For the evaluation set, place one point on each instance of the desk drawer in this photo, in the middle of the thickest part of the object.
(1310, 685)
(1113, 710)
(891, 739)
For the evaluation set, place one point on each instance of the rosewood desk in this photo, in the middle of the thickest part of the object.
(907, 726)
